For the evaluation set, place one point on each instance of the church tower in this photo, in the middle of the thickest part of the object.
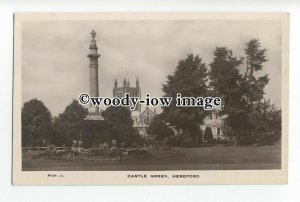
(126, 88)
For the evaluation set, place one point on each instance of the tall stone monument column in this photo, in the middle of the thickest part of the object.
(94, 89)
(94, 124)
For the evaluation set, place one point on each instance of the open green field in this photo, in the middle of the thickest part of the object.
(216, 157)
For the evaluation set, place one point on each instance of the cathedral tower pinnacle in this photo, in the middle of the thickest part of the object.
(128, 83)
(116, 83)
(124, 82)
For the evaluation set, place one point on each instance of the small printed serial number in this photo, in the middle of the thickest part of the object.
(55, 175)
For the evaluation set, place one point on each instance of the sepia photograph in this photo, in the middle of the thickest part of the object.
(157, 98)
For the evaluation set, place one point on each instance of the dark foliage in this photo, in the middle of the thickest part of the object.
(36, 123)
(120, 125)
(159, 129)
(189, 79)
(67, 126)
(208, 136)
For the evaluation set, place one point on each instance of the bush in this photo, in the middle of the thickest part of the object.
(208, 136)
(178, 140)
(104, 151)
(97, 151)
(188, 140)
(268, 139)
(245, 140)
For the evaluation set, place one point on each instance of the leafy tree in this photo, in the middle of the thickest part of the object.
(67, 126)
(252, 87)
(226, 129)
(255, 58)
(159, 129)
(266, 120)
(275, 121)
(189, 79)
(226, 82)
(120, 125)
(225, 77)
(240, 92)
(36, 123)
(208, 136)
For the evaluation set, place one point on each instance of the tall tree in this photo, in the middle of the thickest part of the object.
(240, 92)
(225, 81)
(67, 126)
(120, 125)
(252, 86)
(225, 77)
(189, 79)
(255, 58)
(36, 123)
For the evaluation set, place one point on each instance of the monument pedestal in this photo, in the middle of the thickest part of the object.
(93, 130)
(93, 126)
(94, 117)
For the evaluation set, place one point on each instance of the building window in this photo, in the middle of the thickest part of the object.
(147, 120)
(218, 131)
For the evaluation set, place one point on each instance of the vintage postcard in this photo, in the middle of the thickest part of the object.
(150, 98)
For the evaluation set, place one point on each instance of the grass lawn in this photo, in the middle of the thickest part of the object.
(216, 157)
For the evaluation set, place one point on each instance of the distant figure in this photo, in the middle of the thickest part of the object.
(79, 149)
(30, 154)
(114, 143)
(51, 151)
(44, 142)
(157, 145)
(74, 150)
(167, 143)
(79, 143)
(105, 145)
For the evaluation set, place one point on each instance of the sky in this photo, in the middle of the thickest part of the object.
(55, 67)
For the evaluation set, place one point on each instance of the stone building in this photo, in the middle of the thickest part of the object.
(214, 121)
(141, 119)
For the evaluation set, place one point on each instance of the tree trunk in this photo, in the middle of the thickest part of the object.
(34, 143)
(237, 137)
